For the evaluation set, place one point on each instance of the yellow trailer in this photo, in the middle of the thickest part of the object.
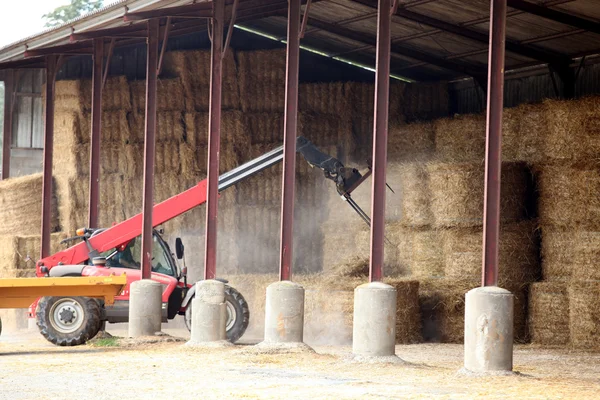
(22, 292)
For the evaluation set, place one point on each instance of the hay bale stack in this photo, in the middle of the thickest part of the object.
(193, 68)
(568, 196)
(584, 314)
(18, 254)
(21, 206)
(327, 130)
(169, 95)
(410, 181)
(408, 314)
(558, 253)
(234, 128)
(424, 101)
(410, 142)
(324, 98)
(549, 313)
(518, 253)
(264, 128)
(457, 193)
(570, 254)
(262, 80)
(442, 303)
(460, 139)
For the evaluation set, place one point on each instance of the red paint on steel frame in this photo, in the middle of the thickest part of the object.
(9, 85)
(51, 62)
(149, 147)
(380, 134)
(214, 138)
(493, 155)
(96, 128)
(289, 140)
(128, 229)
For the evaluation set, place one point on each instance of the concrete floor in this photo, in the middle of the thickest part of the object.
(34, 369)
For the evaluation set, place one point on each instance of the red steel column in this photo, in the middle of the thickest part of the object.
(493, 155)
(8, 108)
(149, 147)
(289, 141)
(48, 151)
(214, 138)
(380, 134)
(98, 57)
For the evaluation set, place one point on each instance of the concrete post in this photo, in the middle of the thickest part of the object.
(209, 313)
(489, 330)
(284, 313)
(145, 308)
(374, 328)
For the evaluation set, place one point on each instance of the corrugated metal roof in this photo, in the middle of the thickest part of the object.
(441, 39)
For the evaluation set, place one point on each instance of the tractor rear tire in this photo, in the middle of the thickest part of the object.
(238, 316)
(68, 321)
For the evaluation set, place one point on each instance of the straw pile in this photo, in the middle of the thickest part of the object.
(549, 313)
(169, 95)
(518, 253)
(457, 193)
(18, 254)
(568, 196)
(410, 142)
(262, 80)
(424, 101)
(460, 139)
(21, 207)
(442, 303)
(584, 313)
(193, 68)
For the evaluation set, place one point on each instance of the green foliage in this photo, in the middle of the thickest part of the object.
(66, 13)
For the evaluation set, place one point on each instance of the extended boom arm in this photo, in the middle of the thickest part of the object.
(346, 180)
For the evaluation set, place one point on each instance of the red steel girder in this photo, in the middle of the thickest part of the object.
(380, 135)
(96, 129)
(289, 141)
(493, 152)
(214, 138)
(9, 98)
(51, 63)
(67, 49)
(149, 148)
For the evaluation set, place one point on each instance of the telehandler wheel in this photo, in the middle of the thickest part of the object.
(238, 314)
(68, 321)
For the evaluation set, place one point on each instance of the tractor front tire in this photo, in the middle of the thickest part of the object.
(68, 321)
(238, 314)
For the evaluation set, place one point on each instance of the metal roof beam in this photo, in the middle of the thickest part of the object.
(68, 49)
(396, 48)
(121, 31)
(555, 15)
(514, 47)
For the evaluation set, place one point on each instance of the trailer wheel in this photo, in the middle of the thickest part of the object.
(238, 314)
(68, 321)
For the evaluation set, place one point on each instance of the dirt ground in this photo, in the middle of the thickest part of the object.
(34, 369)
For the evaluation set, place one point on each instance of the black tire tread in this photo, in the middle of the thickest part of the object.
(89, 330)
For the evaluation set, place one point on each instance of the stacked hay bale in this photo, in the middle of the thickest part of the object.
(563, 310)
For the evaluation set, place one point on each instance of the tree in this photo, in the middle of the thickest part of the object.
(66, 13)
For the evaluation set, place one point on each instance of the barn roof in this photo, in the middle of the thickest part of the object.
(431, 39)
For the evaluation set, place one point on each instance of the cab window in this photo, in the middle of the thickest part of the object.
(130, 257)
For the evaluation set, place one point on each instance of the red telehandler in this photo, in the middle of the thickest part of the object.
(71, 321)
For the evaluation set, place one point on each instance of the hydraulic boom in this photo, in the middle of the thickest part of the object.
(346, 180)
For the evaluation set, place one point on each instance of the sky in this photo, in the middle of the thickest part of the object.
(22, 18)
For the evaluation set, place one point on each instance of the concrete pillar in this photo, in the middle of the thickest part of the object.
(284, 313)
(374, 328)
(489, 330)
(145, 308)
(209, 313)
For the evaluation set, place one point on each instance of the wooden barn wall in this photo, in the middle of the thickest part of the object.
(466, 98)
(131, 60)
